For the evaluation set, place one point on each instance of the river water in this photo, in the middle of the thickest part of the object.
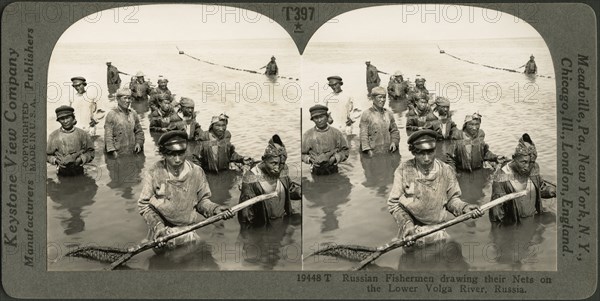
(350, 207)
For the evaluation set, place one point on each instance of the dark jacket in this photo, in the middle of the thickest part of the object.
(226, 153)
(460, 159)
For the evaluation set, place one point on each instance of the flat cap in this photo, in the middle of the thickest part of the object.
(378, 91)
(423, 139)
(63, 111)
(334, 77)
(78, 80)
(123, 92)
(317, 110)
(186, 102)
(173, 141)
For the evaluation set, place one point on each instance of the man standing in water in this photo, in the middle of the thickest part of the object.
(271, 68)
(418, 92)
(420, 117)
(69, 148)
(469, 149)
(123, 132)
(140, 89)
(185, 119)
(397, 88)
(323, 146)
(443, 123)
(113, 80)
(85, 105)
(271, 175)
(530, 66)
(425, 190)
(519, 174)
(373, 79)
(175, 192)
(378, 130)
(340, 106)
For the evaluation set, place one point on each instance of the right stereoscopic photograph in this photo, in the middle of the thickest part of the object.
(429, 142)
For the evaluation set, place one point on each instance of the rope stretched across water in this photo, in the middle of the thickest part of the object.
(233, 68)
(488, 66)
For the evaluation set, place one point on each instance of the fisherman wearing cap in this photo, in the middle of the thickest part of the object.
(519, 174)
(323, 146)
(341, 107)
(443, 123)
(373, 79)
(419, 117)
(69, 147)
(397, 87)
(417, 92)
(378, 130)
(530, 66)
(160, 118)
(123, 132)
(86, 106)
(175, 192)
(469, 149)
(425, 190)
(157, 93)
(185, 120)
(113, 80)
(271, 68)
(140, 89)
(270, 175)
(216, 151)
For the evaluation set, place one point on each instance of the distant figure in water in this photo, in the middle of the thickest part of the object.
(373, 79)
(113, 80)
(530, 66)
(271, 68)
(522, 173)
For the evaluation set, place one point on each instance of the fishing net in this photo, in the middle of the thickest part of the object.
(348, 252)
(102, 254)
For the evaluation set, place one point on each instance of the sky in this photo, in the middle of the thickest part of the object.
(189, 22)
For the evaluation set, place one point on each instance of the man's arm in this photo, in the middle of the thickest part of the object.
(205, 206)
(109, 140)
(89, 151)
(364, 132)
(137, 130)
(394, 132)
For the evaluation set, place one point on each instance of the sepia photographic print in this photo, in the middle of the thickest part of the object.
(299, 150)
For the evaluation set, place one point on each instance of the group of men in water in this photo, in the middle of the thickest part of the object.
(425, 189)
(175, 190)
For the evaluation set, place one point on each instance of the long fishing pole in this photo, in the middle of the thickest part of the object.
(232, 68)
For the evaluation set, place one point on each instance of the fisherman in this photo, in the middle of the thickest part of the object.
(323, 147)
(86, 106)
(443, 123)
(397, 87)
(271, 68)
(530, 66)
(140, 89)
(519, 174)
(160, 118)
(157, 92)
(425, 190)
(469, 150)
(373, 79)
(341, 106)
(123, 132)
(113, 80)
(69, 147)
(271, 175)
(417, 92)
(216, 151)
(185, 120)
(378, 130)
(175, 192)
(420, 117)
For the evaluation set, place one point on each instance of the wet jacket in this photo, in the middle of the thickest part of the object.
(122, 131)
(513, 211)
(373, 76)
(160, 120)
(397, 89)
(416, 119)
(340, 109)
(215, 154)
(468, 153)
(175, 201)
(67, 146)
(378, 130)
(424, 199)
(155, 97)
(190, 126)
(320, 145)
(139, 91)
(262, 213)
(445, 127)
(272, 69)
(112, 76)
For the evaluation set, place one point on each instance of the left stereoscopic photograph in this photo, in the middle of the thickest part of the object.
(173, 142)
